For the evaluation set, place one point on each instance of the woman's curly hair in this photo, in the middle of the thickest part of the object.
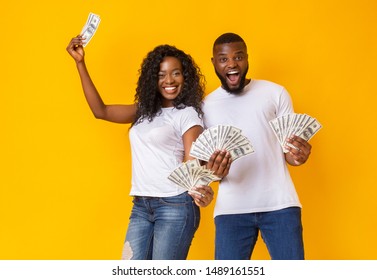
(149, 99)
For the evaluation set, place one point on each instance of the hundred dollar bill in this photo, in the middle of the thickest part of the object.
(190, 174)
(90, 28)
(275, 125)
(310, 130)
(221, 137)
(241, 151)
(301, 125)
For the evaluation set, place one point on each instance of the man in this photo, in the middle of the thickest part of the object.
(258, 194)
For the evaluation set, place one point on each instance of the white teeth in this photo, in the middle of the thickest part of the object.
(232, 72)
(170, 88)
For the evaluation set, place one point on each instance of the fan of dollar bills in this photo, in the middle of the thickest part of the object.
(301, 125)
(221, 137)
(90, 27)
(191, 173)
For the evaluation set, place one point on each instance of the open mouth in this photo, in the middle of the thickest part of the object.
(233, 76)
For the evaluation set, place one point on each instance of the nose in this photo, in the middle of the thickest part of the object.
(169, 79)
(231, 63)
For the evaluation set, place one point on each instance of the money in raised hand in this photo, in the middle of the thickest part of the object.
(90, 28)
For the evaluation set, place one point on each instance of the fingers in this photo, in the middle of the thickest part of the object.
(202, 195)
(298, 143)
(220, 162)
(299, 149)
(212, 159)
(75, 42)
(75, 48)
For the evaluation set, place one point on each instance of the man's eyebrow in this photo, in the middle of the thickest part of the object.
(238, 52)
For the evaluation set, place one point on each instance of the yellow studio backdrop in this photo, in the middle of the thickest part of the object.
(65, 176)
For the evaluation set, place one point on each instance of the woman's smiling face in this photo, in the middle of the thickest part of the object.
(170, 80)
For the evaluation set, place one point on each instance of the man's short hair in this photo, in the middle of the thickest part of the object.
(228, 38)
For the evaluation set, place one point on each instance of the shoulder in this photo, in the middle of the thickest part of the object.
(272, 90)
(185, 118)
(267, 85)
(188, 110)
(184, 113)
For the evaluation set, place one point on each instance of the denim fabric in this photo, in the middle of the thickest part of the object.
(281, 231)
(162, 228)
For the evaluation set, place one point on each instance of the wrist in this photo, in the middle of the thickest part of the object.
(80, 64)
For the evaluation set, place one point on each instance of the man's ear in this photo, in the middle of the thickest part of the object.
(212, 60)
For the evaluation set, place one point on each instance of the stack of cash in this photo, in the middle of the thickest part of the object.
(90, 28)
(301, 125)
(221, 137)
(190, 174)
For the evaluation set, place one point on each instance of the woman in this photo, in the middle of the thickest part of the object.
(166, 119)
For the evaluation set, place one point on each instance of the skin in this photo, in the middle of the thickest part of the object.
(230, 61)
(170, 83)
(231, 65)
(170, 80)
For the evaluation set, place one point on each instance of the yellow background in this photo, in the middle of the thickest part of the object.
(64, 177)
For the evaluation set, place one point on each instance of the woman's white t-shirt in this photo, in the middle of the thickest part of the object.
(157, 149)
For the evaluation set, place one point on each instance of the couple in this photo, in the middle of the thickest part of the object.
(256, 193)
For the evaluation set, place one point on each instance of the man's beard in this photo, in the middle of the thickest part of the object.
(225, 86)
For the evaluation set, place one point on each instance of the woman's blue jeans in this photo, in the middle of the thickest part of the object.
(162, 228)
(281, 231)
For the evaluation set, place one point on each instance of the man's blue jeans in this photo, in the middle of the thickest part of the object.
(162, 228)
(281, 231)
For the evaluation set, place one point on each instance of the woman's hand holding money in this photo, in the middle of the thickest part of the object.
(75, 49)
(202, 195)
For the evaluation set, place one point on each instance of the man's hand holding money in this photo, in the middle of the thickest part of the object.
(293, 132)
(219, 163)
(298, 150)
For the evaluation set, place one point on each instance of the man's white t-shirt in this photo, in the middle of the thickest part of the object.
(260, 181)
(157, 149)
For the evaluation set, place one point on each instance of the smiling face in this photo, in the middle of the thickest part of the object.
(170, 80)
(231, 65)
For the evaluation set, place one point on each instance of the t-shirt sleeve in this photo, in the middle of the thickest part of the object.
(285, 104)
(188, 118)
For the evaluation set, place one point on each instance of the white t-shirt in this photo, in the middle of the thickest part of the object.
(260, 181)
(157, 149)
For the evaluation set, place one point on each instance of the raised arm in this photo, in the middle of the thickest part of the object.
(112, 113)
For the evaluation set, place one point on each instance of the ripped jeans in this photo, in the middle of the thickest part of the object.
(161, 228)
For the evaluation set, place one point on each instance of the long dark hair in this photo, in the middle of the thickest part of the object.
(149, 99)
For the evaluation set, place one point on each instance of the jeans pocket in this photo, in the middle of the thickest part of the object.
(181, 199)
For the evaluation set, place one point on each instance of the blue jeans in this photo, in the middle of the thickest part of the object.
(162, 228)
(281, 231)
